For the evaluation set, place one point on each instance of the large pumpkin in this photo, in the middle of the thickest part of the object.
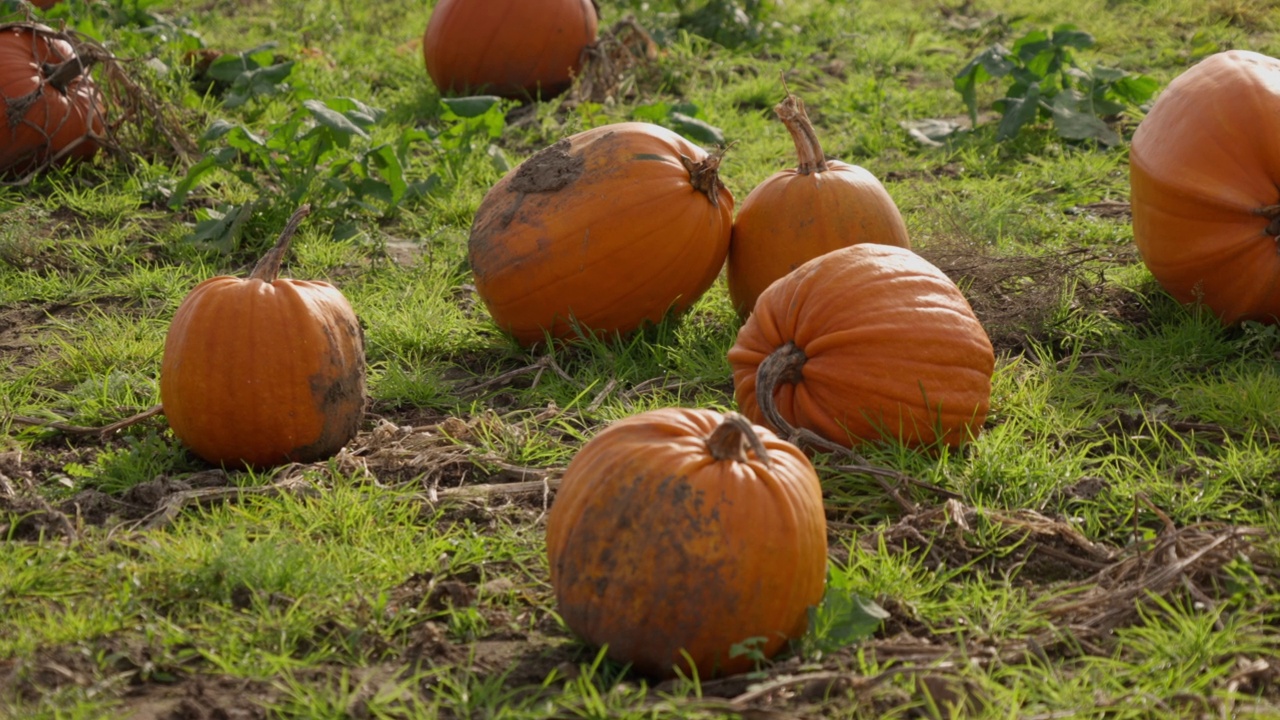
(264, 370)
(677, 534)
(865, 343)
(514, 48)
(601, 232)
(52, 108)
(796, 215)
(1204, 170)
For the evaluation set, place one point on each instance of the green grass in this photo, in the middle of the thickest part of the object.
(372, 585)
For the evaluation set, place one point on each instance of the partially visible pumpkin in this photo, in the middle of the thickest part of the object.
(1204, 171)
(679, 533)
(264, 370)
(796, 215)
(865, 343)
(601, 232)
(513, 48)
(53, 111)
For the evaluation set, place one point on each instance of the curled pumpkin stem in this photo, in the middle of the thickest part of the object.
(268, 268)
(733, 437)
(809, 151)
(1272, 214)
(785, 365)
(704, 175)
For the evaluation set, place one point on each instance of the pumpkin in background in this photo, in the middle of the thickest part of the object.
(264, 370)
(687, 531)
(796, 215)
(1204, 171)
(513, 48)
(865, 343)
(602, 232)
(53, 110)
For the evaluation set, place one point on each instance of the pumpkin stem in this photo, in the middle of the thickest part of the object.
(784, 365)
(269, 266)
(61, 75)
(704, 177)
(1272, 214)
(733, 437)
(793, 115)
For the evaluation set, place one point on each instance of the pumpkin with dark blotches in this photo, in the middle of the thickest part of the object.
(513, 48)
(53, 110)
(679, 536)
(868, 342)
(601, 233)
(1204, 174)
(263, 370)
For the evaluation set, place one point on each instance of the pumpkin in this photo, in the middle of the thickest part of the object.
(513, 48)
(1204, 172)
(796, 215)
(53, 110)
(602, 232)
(677, 534)
(265, 370)
(864, 343)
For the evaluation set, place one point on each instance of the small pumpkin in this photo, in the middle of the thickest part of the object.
(602, 232)
(864, 343)
(265, 370)
(513, 48)
(678, 533)
(53, 110)
(1204, 172)
(796, 215)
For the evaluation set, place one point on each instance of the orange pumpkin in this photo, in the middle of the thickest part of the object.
(796, 215)
(601, 232)
(679, 533)
(513, 48)
(1204, 171)
(264, 370)
(53, 110)
(865, 343)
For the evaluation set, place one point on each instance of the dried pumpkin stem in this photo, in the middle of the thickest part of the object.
(733, 437)
(1272, 214)
(704, 175)
(809, 151)
(785, 365)
(269, 266)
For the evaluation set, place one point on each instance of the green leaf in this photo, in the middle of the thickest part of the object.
(473, 106)
(356, 111)
(991, 63)
(1073, 124)
(339, 124)
(695, 129)
(1135, 89)
(262, 82)
(1070, 36)
(1019, 111)
(221, 230)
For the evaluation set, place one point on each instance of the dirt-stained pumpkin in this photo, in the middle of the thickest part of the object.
(865, 343)
(53, 110)
(677, 534)
(798, 214)
(513, 48)
(601, 233)
(261, 371)
(1204, 169)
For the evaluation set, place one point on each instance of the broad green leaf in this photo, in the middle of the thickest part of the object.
(1071, 36)
(1074, 124)
(654, 112)
(341, 126)
(1019, 111)
(262, 82)
(473, 106)
(993, 62)
(696, 129)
